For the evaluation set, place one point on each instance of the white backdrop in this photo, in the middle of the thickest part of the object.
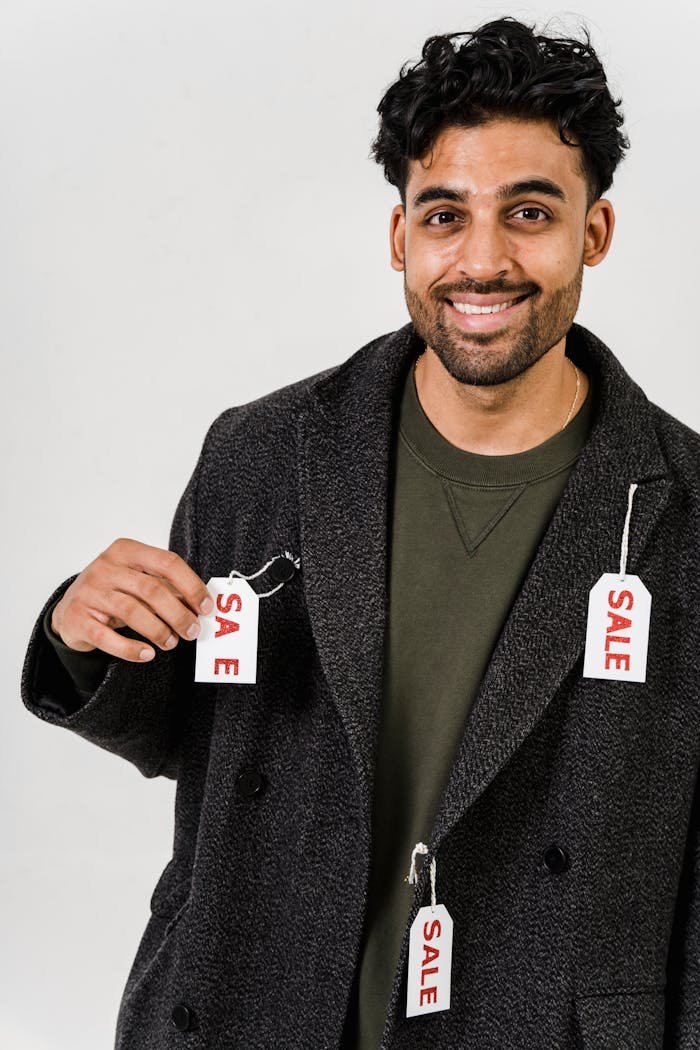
(189, 218)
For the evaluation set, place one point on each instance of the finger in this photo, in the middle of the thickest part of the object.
(98, 635)
(106, 588)
(171, 586)
(103, 617)
(162, 563)
(127, 609)
(159, 596)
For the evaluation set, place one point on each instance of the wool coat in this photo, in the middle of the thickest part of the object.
(566, 840)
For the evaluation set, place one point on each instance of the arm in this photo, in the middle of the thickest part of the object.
(135, 710)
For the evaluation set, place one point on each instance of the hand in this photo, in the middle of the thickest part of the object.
(131, 584)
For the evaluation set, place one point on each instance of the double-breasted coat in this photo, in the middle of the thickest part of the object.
(567, 836)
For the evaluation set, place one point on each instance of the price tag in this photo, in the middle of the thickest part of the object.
(429, 961)
(227, 645)
(617, 633)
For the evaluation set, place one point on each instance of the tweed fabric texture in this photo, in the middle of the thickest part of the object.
(256, 919)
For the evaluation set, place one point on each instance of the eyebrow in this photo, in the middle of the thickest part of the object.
(534, 184)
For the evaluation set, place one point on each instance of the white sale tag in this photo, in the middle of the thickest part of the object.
(617, 634)
(429, 961)
(227, 645)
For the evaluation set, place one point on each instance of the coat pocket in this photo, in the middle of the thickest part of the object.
(169, 903)
(146, 1004)
(171, 891)
(621, 1020)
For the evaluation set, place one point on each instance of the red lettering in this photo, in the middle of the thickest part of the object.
(615, 638)
(431, 969)
(230, 598)
(226, 626)
(620, 658)
(622, 597)
(425, 993)
(617, 623)
(227, 661)
(430, 954)
(432, 930)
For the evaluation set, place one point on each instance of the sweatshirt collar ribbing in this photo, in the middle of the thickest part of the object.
(446, 459)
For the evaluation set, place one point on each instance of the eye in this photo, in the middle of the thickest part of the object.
(429, 222)
(532, 208)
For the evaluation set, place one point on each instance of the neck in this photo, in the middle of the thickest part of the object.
(504, 419)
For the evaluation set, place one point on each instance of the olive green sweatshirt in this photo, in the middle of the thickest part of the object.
(464, 530)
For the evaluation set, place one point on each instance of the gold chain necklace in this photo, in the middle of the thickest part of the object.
(415, 366)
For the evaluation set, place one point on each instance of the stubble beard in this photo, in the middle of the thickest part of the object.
(489, 358)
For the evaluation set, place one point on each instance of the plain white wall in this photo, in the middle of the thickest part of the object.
(189, 218)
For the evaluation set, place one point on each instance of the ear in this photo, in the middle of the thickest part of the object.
(397, 237)
(600, 223)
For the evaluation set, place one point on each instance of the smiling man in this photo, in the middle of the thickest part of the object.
(476, 544)
(493, 245)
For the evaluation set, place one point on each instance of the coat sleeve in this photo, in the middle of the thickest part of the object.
(86, 670)
(683, 963)
(137, 711)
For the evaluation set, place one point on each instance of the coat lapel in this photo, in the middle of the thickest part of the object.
(344, 449)
(545, 631)
(345, 443)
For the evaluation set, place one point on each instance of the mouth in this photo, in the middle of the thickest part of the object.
(494, 317)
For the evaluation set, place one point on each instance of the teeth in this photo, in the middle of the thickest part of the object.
(467, 308)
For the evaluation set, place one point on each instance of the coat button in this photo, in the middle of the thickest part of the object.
(556, 859)
(181, 1017)
(250, 782)
(282, 570)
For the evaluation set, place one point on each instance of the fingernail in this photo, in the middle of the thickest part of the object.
(207, 606)
(193, 630)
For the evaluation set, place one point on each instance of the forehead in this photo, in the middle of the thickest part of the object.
(480, 159)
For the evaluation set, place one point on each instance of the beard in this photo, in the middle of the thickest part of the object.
(489, 358)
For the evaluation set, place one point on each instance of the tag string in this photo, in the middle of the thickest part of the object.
(626, 530)
(242, 576)
(420, 847)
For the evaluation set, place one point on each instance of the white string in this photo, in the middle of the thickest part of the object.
(625, 531)
(420, 847)
(242, 576)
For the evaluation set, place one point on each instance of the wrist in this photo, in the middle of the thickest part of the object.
(55, 621)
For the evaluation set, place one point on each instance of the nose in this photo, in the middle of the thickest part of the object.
(483, 251)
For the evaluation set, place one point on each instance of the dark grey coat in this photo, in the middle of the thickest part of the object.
(567, 839)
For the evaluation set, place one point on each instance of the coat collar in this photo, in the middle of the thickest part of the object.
(345, 445)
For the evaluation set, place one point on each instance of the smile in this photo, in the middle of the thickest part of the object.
(481, 318)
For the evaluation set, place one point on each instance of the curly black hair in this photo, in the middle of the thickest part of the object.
(503, 70)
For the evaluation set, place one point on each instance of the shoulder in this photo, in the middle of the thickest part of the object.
(268, 423)
(265, 425)
(680, 445)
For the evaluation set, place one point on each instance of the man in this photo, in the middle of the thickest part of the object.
(432, 527)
